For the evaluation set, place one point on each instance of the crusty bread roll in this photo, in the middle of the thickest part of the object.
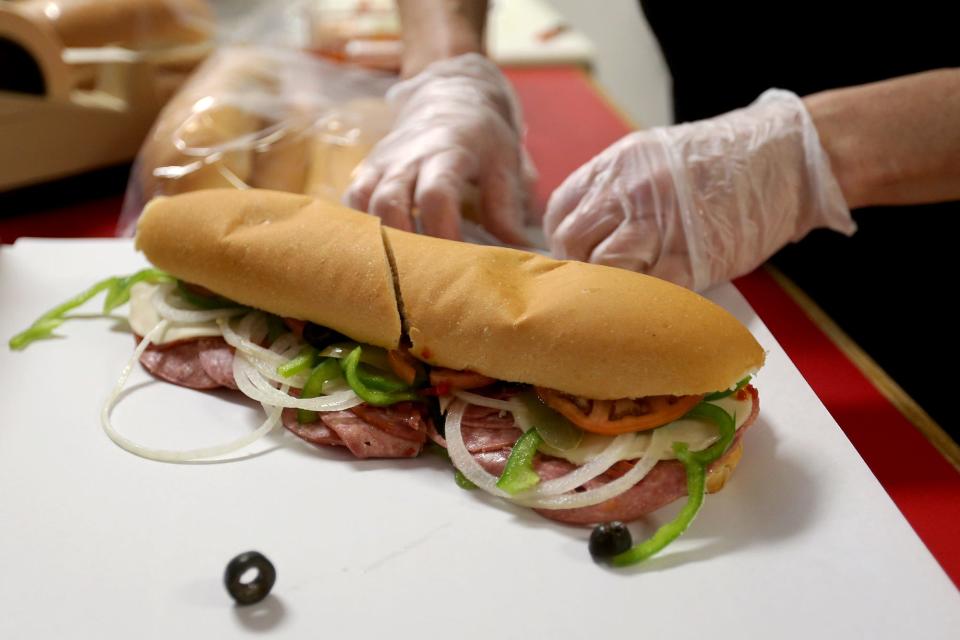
(720, 473)
(582, 329)
(281, 252)
(136, 24)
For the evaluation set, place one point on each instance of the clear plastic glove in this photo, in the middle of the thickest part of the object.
(703, 202)
(457, 130)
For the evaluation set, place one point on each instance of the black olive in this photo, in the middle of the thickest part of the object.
(256, 589)
(320, 337)
(436, 415)
(610, 539)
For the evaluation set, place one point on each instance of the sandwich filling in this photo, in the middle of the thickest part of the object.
(580, 453)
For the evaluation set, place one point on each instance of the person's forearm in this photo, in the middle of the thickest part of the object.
(438, 29)
(893, 142)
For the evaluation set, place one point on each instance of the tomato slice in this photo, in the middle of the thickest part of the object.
(296, 326)
(613, 417)
(459, 379)
(404, 365)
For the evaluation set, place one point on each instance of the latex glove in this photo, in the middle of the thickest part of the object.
(703, 202)
(457, 124)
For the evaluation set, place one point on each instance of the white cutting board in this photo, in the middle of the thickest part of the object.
(98, 543)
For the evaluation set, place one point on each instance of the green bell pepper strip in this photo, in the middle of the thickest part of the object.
(303, 361)
(719, 395)
(463, 481)
(380, 380)
(695, 464)
(696, 483)
(519, 475)
(725, 423)
(556, 430)
(377, 398)
(118, 292)
(42, 328)
(201, 301)
(322, 374)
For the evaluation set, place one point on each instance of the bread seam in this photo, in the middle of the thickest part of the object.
(395, 273)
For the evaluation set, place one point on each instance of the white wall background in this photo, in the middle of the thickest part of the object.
(629, 64)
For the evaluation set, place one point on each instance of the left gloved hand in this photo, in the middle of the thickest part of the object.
(457, 131)
(703, 202)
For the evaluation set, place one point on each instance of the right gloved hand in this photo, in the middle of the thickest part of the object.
(702, 202)
(457, 124)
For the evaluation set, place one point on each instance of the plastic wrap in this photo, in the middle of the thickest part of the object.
(254, 117)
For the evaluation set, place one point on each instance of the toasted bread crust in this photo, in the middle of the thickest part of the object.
(579, 328)
(284, 253)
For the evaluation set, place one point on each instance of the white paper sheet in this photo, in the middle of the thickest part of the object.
(97, 543)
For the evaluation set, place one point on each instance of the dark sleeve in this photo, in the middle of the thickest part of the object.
(722, 55)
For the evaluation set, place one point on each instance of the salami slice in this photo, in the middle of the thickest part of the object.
(403, 420)
(179, 364)
(481, 439)
(487, 418)
(367, 441)
(204, 363)
(216, 358)
(316, 433)
(346, 429)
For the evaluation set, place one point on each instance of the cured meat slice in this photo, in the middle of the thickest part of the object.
(367, 441)
(346, 429)
(216, 358)
(480, 439)
(205, 363)
(316, 432)
(403, 420)
(487, 418)
(179, 364)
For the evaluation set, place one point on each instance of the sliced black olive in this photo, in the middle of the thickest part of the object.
(254, 590)
(320, 337)
(610, 539)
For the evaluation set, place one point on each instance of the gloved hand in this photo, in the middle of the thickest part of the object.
(457, 124)
(703, 202)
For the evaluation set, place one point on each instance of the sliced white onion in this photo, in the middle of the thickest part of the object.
(548, 495)
(462, 459)
(287, 346)
(253, 327)
(243, 343)
(610, 490)
(167, 455)
(521, 417)
(584, 473)
(254, 385)
(484, 401)
(164, 302)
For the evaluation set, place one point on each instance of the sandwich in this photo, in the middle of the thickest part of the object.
(587, 393)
